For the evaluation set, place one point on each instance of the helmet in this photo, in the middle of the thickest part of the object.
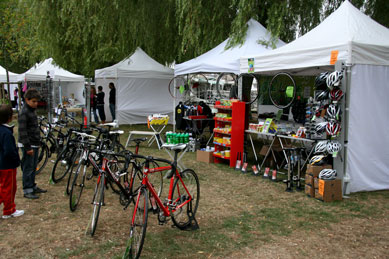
(320, 127)
(321, 147)
(321, 80)
(333, 127)
(322, 95)
(334, 78)
(328, 174)
(333, 111)
(336, 94)
(333, 146)
(318, 160)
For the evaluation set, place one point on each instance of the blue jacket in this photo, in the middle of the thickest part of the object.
(9, 155)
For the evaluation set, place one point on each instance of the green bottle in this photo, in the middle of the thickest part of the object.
(186, 137)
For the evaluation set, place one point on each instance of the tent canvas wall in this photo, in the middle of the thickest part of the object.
(363, 45)
(219, 59)
(71, 84)
(141, 88)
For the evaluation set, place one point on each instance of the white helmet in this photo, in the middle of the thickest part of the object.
(334, 79)
(318, 160)
(333, 146)
(333, 111)
(328, 174)
(321, 147)
(321, 127)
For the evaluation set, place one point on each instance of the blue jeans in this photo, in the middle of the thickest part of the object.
(29, 164)
(94, 110)
(112, 109)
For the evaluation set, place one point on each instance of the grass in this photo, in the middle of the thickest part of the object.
(239, 216)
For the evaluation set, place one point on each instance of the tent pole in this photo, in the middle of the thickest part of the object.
(174, 106)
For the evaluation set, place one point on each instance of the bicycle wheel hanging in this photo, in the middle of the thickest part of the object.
(178, 87)
(200, 88)
(282, 90)
(254, 88)
(226, 86)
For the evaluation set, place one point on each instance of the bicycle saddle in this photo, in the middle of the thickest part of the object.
(138, 140)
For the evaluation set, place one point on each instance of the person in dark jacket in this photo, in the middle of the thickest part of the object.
(29, 142)
(9, 161)
(112, 100)
(100, 103)
(93, 103)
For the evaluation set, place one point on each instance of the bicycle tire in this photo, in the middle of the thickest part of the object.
(173, 88)
(76, 159)
(180, 216)
(98, 200)
(252, 100)
(62, 165)
(200, 91)
(77, 186)
(221, 93)
(138, 225)
(43, 156)
(273, 96)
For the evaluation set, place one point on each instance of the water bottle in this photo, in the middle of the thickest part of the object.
(186, 138)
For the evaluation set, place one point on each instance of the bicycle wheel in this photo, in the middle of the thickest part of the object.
(282, 90)
(226, 86)
(98, 201)
(177, 87)
(254, 88)
(74, 163)
(62, 165)
(138, 225)
(185, 190)
(199, 87)
(77, 185)
(42, 157)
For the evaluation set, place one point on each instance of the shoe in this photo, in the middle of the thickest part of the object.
(31, 195)
(39, 190)
(17, 213)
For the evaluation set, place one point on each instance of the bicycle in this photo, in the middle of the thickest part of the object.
(181, 204)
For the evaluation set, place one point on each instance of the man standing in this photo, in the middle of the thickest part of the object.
(100, 103)
(112, 100)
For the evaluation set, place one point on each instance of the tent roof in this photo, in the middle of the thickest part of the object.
(3, 76)
(357, 38)
(138, 65)
(39, 72)
(219, 59)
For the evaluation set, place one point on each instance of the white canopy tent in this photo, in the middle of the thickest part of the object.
(219, 60)
(141, 88)
(71, 84)
(347, 35)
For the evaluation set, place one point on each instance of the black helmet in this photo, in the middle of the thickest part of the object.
(321, 81)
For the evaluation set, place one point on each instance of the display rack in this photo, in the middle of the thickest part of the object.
(237, 120)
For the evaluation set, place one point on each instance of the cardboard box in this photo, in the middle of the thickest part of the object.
(316, 182)
(309, 179)
(309, 190)
(204, 156)
(329, 190)
(315, 170)
(264, 150)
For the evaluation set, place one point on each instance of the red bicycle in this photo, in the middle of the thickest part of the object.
(181, 204)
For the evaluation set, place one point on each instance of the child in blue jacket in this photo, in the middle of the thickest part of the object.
(9, 161)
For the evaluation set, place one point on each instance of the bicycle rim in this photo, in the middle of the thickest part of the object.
(282, 90)
(42, 158)
(177, 87)
(61, 166)
(75, 161)
(98, 200)
(182, 191)
(77, 186)
(254, 88)
(226, 86)
(139, 225)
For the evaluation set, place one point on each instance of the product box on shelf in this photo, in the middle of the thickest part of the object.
(309, 190)
(315, 169)
(329, 190)
(204, 156)
(316, 182)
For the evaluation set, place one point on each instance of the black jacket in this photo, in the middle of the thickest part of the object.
(100, 98)
(9, 156)
(29, 134)
(112, 96)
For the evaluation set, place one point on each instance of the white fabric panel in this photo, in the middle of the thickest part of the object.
(219, 59)
(75, 88)
(39, 72)
(357, 37)
(138, 97)
(138, 65)
(3, 76)
(368, 153)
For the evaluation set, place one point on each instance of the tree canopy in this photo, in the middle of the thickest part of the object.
(83, 35)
